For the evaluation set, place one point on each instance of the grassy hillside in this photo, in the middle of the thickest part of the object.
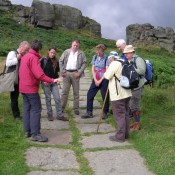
(155, 141)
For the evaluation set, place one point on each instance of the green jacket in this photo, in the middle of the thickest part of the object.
(141, 69)
(81, 62)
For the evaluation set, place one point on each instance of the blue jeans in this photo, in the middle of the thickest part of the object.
(54, 90)
(31, 113)
(92, 93)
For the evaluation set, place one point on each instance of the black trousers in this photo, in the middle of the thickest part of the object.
(14, 101)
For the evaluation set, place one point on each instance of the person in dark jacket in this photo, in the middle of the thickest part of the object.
(50, 66)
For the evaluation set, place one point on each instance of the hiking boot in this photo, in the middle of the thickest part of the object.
(110, 111)
(39, 138)
(18, 119)
(114, 139)
(132, 125)
(50, 117)
(27, 134)
(87, 115)
(62, 118)
(76, 112)
(135, 126)
(104, 116)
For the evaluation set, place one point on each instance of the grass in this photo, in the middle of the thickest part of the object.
(13, 144)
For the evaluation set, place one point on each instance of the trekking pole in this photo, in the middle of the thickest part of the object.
(101, 113)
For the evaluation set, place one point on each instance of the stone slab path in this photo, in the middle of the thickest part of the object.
(59, 156)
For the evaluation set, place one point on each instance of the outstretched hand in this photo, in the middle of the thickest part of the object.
(57, 80)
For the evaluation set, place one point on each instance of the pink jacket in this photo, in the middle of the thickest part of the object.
(31, 73)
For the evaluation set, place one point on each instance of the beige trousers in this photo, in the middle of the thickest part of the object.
(67, 82)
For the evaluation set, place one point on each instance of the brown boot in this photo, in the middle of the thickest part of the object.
(137, 126)
(132, 125)
(50, 117)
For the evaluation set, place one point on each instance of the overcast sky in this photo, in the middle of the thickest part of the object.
(115, 15)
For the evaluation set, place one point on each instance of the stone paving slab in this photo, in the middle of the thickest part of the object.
(95, 119)
(83, 104)
(52, 173)
(101, 141)
(51, 158)
(56, 124)
(84, 87)
(88, 128)
(57, 137)
(117, 162)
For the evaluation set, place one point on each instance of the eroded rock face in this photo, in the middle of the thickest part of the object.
(147, 35)
(5, 5)
(42, 14)
(45, 15)
(68, 17)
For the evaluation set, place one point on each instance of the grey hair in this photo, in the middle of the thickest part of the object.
(120, 42)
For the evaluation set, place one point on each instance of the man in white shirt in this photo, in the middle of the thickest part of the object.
(13, 63)
(72, 65)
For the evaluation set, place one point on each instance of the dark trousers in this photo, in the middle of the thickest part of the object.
(120, 110)
(31, 113)
(14, 101)
(92, 93)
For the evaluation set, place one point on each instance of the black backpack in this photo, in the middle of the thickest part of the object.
(129, 77)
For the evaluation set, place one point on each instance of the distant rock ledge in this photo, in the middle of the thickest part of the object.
(46, 15)
(145, 35)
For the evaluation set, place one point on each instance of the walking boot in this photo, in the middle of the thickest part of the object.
(50, 117)
(137, 126)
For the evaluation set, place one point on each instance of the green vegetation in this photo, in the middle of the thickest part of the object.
(156, 139)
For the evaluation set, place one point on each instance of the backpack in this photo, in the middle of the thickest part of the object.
(149, 71)
(129, 77)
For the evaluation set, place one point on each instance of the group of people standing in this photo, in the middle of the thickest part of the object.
(33, 69)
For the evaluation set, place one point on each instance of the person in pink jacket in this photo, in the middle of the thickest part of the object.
(30, 75)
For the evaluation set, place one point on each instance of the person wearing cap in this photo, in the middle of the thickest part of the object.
(120, 43)
(113, 55)
(99, 65)
(135, 101)
(120, 100)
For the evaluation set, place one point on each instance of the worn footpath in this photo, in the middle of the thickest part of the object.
(104, 157)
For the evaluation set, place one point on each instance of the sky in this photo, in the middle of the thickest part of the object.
(114, 15)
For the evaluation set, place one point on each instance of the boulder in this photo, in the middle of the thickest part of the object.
(66, 16)
(42, 14)
(5, 5)
(146, 35)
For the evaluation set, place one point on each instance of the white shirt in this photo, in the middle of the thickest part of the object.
(72, 61)
(11, 59)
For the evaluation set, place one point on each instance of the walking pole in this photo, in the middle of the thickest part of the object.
(101, 113)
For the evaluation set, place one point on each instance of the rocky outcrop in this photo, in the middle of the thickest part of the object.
(146, 35)
(45, 15)
(42, 14)
(5, 5)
